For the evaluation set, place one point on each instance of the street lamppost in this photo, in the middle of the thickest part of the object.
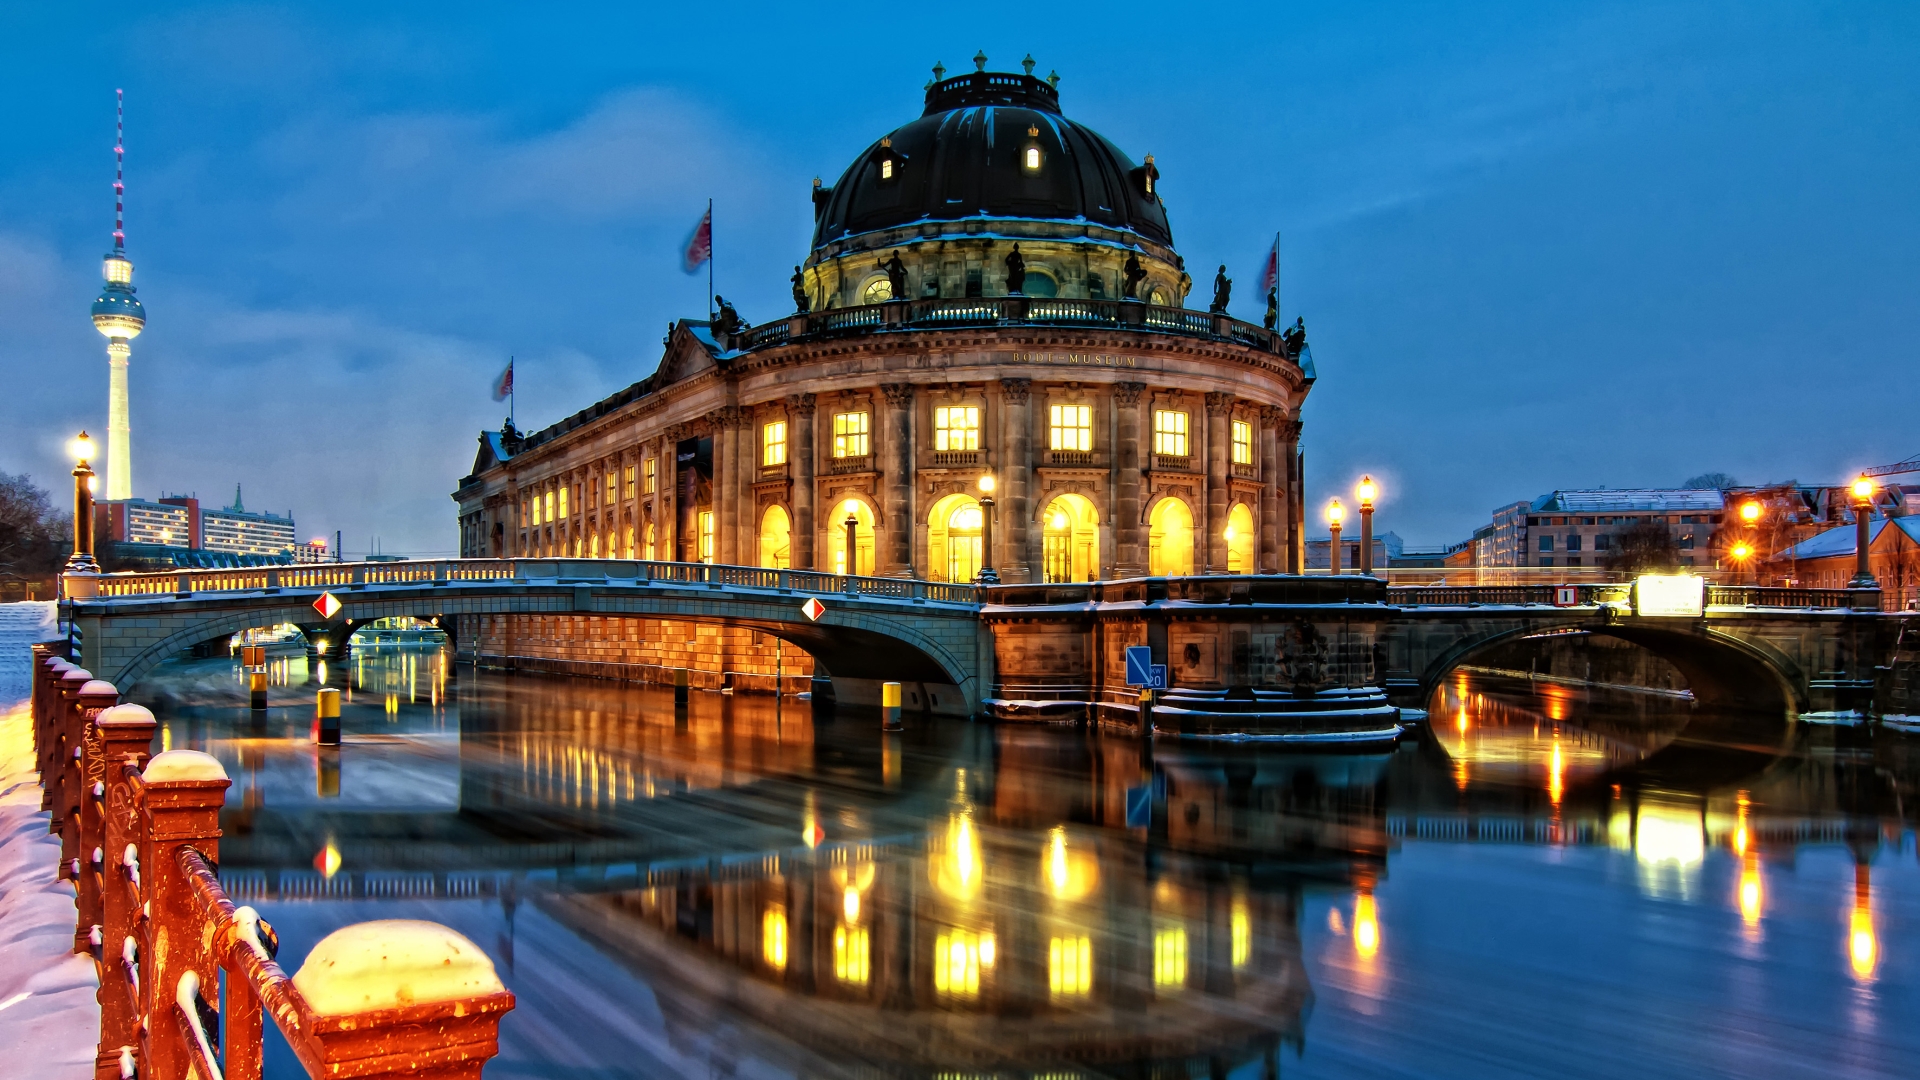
(1862, 512)
(1750, 512)
(82, 561)
(1334, 513)
(987, 576)
(853, 542)
(1366, 491)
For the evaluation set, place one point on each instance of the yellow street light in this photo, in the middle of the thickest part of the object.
(1335, 512)
(1741, 552)
(1750, 511)
(81, 447)
(1863, 488)
(1366, 492)
(986, 483)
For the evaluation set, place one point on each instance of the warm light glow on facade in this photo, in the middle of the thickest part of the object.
(1242, 439)
(706, 535)
(773, 443)
(1170, 432)
(956, 428)
(852, 957)
(1070, 427)
(852, 434)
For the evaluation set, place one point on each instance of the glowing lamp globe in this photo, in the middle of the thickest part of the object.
(1367, 491)
(1863, 489)
(1741, 551)
(81, 448)
(986, 483)
(1750, 511)
(1336, 512)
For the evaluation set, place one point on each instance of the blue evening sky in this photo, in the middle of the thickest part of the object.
(1536, 245)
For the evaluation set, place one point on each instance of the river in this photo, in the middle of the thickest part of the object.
(1541, 881)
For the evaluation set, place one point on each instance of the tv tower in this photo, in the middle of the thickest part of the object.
(118, 315)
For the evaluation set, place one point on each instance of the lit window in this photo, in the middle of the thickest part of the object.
(626, 549)
(1069, 966)
(1072, 427)
(1033, 157)
(613, 480)
(1242, 443)
(773, 937)
(593, 546)
(548, 515)
(878, 291)
(956, 427)
(773, 443)
(629, 473)
(650, 474)
(647, 551)
(886, 168)
(706, 536)
(1170, 956)
(1242, 933)
(850, 434)
(1170, 432)
(851, 961)
(958, 956)
(563, 502)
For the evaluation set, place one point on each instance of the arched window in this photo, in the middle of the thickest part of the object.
(646, 548)
(1170, 539)
(877, 291)
(1039, 283)
(776, 538)
(863, 538)
(955, 529)
(1240, 536)
(1070, 539)
(1157, 296)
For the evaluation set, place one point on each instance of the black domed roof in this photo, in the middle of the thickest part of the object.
(965, 158)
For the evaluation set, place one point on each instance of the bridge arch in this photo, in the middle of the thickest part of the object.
(859, 641)
(1721, 669)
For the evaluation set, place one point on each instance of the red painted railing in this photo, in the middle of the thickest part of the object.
(140, 838)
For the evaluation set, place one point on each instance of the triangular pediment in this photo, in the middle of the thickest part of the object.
(690, 351)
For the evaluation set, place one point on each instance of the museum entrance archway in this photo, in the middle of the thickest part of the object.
(1240, 536)
(1070, 539)
(1170, 539)
(862, 542)
(955, 527)
(776, 538)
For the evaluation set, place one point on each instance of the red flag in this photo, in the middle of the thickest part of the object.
(503, 386)
(699, 245)
(1270, 273)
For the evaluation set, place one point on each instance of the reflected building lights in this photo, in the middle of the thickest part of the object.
(1366, 927)
(1863, 946)
(1170, 957)
(773, 937)
(1070, 966)
(958, 958)
(1240, 926)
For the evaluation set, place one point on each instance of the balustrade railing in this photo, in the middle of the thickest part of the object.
(140, 839)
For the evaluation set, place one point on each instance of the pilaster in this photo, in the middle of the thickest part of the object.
(1219, 409)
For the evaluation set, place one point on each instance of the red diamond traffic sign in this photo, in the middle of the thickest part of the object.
(328, 605)
(814, 609)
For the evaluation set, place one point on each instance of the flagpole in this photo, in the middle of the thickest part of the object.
(511, 390)
(709, 260)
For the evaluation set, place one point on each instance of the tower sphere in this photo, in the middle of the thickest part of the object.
(117, 313)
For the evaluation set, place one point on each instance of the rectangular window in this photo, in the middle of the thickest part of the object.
(628, 475)
(851, 431)
(706, 536)
(563, 502)
(650, 474)
(1547, 561)
(548, 515)
(956, 427)
(1602, 542)
(613, 482)
(1573, 541)
(1072, 427)
(1242, 443)
(773, 443)
(589, 495)
(1546, 543)
(1170, 432)
(529, 511)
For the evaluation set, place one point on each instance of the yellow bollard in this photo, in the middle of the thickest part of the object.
(326, 717)
(890, 705)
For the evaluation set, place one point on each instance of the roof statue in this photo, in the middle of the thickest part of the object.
(1273, 308)
(1222, 291)
(802, 303)
(1135, 275)
(1016, 270)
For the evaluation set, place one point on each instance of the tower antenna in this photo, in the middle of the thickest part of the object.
(119, 316)
(119, 170)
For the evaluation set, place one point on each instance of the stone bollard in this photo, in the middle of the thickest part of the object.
(63, 742)
(400, 997)
(890, 706)
(126, 733)
(46, 702)
(326, 717)
(185, 789)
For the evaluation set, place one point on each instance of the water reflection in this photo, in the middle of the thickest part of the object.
(965, 899)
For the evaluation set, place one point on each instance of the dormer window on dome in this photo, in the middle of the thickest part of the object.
(887, 161)
(1148, 177)
(1030, 157)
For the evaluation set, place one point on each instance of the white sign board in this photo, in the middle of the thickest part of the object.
(1683, 595)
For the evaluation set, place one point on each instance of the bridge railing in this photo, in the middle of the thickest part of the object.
(1769, 596)
(140, 841)
(184, 583)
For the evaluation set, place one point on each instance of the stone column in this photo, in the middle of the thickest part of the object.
(897, 488)
(1219, 408)
(1014, 562)
(747, 445)
(1296, 497)
(800, 407)
(1129, 534)
(667, 505)
(1272, 483)
(724, 502)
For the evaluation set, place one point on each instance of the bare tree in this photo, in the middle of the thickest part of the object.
(35, 538)
(1643, 546)
(1719, 481)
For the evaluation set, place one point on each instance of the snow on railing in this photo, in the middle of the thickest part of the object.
(382, 999)
(186, 583)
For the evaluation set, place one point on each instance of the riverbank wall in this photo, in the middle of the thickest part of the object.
(637, 650)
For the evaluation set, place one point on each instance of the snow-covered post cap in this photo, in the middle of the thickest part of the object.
(181, 765)
(129, 714)
(390, 964)
(76, 675)
(100, 686)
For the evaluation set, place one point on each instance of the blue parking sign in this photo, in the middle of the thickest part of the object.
(1139, 665)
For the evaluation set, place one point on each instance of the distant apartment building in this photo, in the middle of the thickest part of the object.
(176, 531)
(1579, 528)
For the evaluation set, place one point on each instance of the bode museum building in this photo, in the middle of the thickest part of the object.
(992, 323)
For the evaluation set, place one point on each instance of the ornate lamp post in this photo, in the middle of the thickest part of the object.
(987, 575)
(1335, 512)
(82, 561)
(853, 539)
(1862, 512)
(1750, 513)
(1366, 491)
